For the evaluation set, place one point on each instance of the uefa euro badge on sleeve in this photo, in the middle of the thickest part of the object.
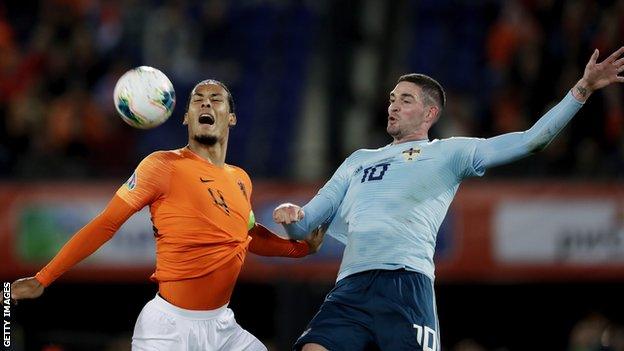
(131, 182)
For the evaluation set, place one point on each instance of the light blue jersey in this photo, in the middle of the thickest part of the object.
(386, 205)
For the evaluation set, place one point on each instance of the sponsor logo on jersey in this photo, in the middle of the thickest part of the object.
(358, 170)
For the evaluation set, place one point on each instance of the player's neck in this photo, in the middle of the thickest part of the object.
(214, 154)
(417, 136)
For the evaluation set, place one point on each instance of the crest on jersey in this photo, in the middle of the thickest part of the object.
(411, 154)
(241, 185)
(131, 182)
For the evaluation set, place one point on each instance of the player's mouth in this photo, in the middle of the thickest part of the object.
(392, 119)
(206, 118)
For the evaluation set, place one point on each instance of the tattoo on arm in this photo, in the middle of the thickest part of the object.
(582, 91)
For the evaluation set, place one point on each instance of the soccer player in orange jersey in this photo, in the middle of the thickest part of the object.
(203, 225)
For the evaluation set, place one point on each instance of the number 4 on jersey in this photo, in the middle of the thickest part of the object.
(220, 201)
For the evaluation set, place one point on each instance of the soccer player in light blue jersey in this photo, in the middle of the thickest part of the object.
(386, 205)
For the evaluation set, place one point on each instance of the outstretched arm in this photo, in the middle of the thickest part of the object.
(85, 242)
(298, 221)
(149, 181)
(267, 243)
(512, 146)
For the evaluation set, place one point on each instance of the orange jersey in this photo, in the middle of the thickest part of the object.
(201, 215)
(201, 212)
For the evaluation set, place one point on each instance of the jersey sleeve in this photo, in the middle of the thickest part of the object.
(266, 243)
(463, 157)
(510, 147)
(149, 181)
(321, 209)
(87, 240)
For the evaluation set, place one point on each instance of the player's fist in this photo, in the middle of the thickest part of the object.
(26, 288)
(287, 213)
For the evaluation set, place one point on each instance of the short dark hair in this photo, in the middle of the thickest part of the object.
(230, 98)
(432, 90)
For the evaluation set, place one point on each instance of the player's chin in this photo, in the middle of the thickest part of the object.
(208, 139)
(392, 128)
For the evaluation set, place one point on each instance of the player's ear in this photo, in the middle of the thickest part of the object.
(232, 120)
(433, 113)
(185, 119)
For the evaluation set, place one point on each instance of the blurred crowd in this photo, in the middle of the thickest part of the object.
(502, 62)
(592, 333)
(60, 59)
(596, 333)
(505, 63)
(535, 51)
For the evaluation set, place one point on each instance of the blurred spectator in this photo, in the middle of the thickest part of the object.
(587, 333)
(468, 345)
(613, 338)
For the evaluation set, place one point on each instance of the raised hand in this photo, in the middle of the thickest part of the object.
(599, 75)
(287, 213)
(26, 288)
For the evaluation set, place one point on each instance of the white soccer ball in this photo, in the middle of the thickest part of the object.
(144, 97)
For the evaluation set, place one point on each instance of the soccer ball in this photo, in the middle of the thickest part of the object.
(144, 97)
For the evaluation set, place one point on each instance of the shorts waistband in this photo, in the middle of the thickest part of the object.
(169, 308)
(379, 271)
